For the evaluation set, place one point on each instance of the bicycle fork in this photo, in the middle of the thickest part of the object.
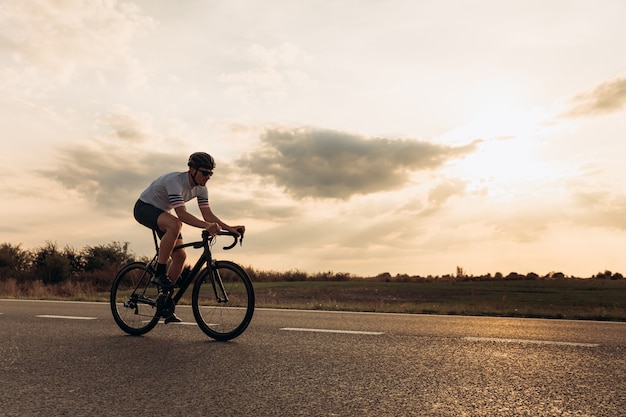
(218, 286)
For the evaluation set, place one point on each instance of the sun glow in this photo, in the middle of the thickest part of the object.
(508, 160)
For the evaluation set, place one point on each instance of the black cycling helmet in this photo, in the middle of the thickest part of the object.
(201, 160)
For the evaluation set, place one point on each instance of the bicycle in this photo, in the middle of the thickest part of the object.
(222, 299)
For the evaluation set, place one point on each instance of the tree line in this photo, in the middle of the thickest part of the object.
(99, 264)
(52, 265)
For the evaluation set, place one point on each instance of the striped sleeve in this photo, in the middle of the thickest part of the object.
(176, 200)
(203, 202)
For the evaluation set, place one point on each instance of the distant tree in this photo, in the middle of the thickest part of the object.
(460, 273)
(75, 259)
(402, 278)
(13, 260)
(555, 275)
(99, 257)
(608, 275)
(514, 276)
(384, 276)
(50, 264)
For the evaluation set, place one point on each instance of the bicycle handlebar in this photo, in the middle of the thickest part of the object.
(205, 236)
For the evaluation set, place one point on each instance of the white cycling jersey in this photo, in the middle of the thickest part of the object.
(173, 190)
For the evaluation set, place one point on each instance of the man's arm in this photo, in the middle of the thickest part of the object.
(209, 216)
(192, 220)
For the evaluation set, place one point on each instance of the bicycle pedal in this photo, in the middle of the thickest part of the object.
(165, 305)
(160, 301)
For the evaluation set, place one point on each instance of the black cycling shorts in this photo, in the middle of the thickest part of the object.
(147, 214)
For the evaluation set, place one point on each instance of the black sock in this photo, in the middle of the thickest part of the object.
(161, 269)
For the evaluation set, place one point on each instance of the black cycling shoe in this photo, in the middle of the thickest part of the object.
(173, 319)
(162, 281)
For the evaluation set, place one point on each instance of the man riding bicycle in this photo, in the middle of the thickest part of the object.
(172, 191)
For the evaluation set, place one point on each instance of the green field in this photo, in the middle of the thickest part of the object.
(564, 298)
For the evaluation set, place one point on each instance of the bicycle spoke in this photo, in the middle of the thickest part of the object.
(223, 303)
(133, 299)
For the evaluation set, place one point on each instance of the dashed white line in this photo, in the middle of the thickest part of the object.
(49, 316)
(528, 341)
(300, 329)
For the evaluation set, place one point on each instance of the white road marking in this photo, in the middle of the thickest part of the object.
(48, 316)
(299, 329)
(536, 342)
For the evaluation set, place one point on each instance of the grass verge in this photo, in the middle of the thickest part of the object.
(565, 299)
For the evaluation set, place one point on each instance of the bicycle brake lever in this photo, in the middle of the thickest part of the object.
(241, 231)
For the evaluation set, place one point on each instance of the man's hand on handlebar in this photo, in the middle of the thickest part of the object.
(238, 230)
(213, 229)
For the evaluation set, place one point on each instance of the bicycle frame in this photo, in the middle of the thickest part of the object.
(206, 258)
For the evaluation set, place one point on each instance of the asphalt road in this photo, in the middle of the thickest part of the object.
(70, 359)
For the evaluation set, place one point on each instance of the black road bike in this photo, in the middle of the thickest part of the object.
(222, 299)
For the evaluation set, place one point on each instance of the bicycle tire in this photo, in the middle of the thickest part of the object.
(133, 299)
(223, 320)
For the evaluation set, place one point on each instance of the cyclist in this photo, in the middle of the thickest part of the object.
(172, 191)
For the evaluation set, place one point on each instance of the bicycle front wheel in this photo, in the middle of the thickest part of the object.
(223, 300)
(133, 299)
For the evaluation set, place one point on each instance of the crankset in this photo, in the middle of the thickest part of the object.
(165, 304)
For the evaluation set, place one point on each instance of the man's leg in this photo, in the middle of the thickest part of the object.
(171, 225)
(178, 261)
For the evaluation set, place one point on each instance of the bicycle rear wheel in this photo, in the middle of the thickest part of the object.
(223, 301)
(133, 299)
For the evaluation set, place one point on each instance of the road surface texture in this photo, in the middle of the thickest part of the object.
(70, 359)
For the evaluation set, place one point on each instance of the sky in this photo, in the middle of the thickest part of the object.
(358, 136)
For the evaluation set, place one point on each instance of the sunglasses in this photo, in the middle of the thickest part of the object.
(205, 173)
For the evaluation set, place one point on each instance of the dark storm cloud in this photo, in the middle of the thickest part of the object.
(320, 163)
(608, 97)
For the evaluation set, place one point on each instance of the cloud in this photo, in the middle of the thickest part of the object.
(58, 38)
(271, 75)
(443, 191)
(112, 167)
(286, 54)
(309, 162)
(600, 209)
(133, 128)
(110, 177)
(606, 98)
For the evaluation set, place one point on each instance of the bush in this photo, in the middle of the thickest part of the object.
(50, 265)
(115, 254)
(13, 260)
(608, 275)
